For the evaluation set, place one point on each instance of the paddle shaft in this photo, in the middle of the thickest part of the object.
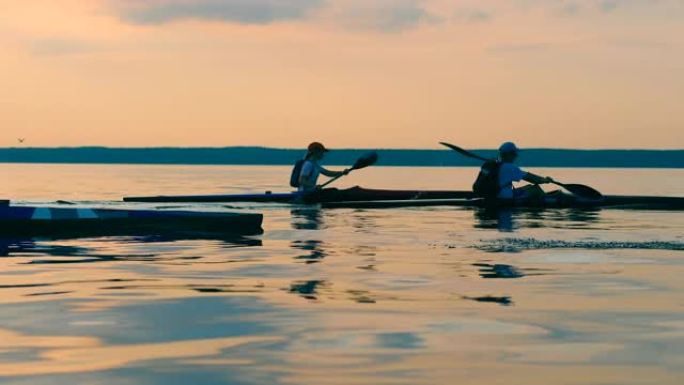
(332, 180)
(465, 152)
(363, 162)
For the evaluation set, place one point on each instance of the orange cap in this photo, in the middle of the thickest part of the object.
(317, 147)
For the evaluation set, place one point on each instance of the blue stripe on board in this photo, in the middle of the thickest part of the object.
(86, 214)
(41, 213)
(57, 213)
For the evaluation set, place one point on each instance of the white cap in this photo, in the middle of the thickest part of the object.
(508, 147)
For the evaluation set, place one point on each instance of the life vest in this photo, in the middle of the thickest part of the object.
(487, 183)
(296, 171)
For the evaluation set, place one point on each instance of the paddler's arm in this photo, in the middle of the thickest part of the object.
(332, 174)
(537, 179)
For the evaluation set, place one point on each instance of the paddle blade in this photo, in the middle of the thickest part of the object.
(583, 191)
(366, 160)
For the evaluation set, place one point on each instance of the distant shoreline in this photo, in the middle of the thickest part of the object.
(536, 157)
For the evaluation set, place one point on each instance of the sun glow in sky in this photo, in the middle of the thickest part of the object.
(350, 73)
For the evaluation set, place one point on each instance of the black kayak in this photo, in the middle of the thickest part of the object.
(326, 195)
(58, 221)
(550, 201)
(359, 197)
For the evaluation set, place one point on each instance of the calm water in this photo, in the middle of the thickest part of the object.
(405, 296)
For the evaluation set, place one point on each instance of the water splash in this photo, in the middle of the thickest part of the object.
(515, 245)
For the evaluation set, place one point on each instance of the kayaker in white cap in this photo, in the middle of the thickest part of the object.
(306, 171)
(496, 178)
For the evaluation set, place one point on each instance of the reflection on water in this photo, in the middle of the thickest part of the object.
(503, 301)
(307, 218)
(511, 219)
(10, 247)
(401, 296)
(307, 289)
(498, 271)
(500, 219)
(313, 248)
(80, 254)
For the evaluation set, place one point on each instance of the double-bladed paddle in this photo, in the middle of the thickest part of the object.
(580, 190)
(364, 161)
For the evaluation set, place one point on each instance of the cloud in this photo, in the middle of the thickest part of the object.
(608, 5)
(471, 16)
(569, 8)
(234, 11)
(581, 7)
(380, 15)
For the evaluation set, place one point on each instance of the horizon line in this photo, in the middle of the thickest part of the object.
(332, 149)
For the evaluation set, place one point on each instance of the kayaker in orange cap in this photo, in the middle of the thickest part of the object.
(306, 171)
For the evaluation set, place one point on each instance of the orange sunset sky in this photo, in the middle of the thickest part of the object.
(350, 73)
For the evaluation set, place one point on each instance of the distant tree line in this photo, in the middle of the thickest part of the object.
(388, 157)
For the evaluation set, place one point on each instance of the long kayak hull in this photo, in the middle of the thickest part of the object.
(326, 195)
(57, 221)
(607, 202)
(266, 197)
(358, 197)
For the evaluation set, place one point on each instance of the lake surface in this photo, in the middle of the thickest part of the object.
(394, 296)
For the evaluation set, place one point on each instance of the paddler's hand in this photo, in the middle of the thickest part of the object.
(548, 179)
(346, 171)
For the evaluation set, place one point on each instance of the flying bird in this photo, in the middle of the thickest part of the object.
(21, 140)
